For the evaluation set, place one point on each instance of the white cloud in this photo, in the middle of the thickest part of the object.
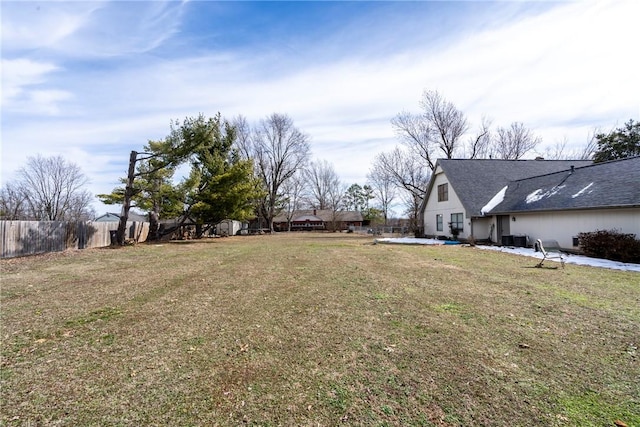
(19, 77)
(89, 29)
(31, 25)
(561, 73)
(114, 30)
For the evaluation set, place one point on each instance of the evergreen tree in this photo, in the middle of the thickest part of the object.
(618, 144)
(220, 184)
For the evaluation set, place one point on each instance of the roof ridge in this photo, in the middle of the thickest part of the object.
(578, 167)
(541, 175)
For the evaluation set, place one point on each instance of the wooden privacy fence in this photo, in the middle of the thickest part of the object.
(20, 238)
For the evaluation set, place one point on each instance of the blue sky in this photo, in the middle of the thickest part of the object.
(93, 80)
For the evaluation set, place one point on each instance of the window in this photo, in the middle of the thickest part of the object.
(439, 222)
(443, 192)
(457, 220)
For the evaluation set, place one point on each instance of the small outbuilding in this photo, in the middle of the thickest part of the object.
(228, 227)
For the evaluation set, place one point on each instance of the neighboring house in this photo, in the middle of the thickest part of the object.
(113, 217)
(318, 219)
(459, 189)
(138, 225)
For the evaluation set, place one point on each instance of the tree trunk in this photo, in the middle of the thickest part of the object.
(154, 217)
(128, 195)
(154, 226)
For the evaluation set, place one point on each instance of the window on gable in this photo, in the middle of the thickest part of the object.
(439, 222)
(457, 221)
(443, 192)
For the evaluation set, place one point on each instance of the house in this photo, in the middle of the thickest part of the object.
(137, 225)
(108, 217)
(459, 192)
(318, 219)
(113, 217)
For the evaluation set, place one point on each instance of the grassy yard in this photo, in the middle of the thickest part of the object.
(315, 329)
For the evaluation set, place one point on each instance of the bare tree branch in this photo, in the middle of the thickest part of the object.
(322, 181)
(13, 202)
(383, 188)
(480, 144)
(515, 141)
(417, 135)
(280, 149)
(54, 189)
(446, 120)
(409, 174)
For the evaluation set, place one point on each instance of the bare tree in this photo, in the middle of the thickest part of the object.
(448, 123)
(416, 134)
(480, 144)
(246, 145)
(243, 140)
(322, 180)
(280, 149)
(13, 202)
(514, 142)
(384, 189)
(435, 132)
(559, 150)
(589, 149)
(80, 207)
(54, 189)
(409, 175)
(335, 202)
(293, 191)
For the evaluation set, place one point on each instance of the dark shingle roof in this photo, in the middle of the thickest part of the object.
(476, 181)
(601, 185)
(326, 215)
(114, 217)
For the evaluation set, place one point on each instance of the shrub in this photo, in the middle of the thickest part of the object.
(611, 244)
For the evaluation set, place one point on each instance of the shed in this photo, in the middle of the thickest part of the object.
(228, 227)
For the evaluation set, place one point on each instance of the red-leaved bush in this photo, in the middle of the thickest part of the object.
(610, 244)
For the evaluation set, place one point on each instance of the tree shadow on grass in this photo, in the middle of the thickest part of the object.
(544, 267)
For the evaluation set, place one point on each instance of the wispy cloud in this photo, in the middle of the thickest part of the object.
(88, 29)
(42, 25)
(22, 80)
(122, 30)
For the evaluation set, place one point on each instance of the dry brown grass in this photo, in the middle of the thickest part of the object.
(315, 329)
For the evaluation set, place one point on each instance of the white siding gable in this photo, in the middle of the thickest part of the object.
(444, 208)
